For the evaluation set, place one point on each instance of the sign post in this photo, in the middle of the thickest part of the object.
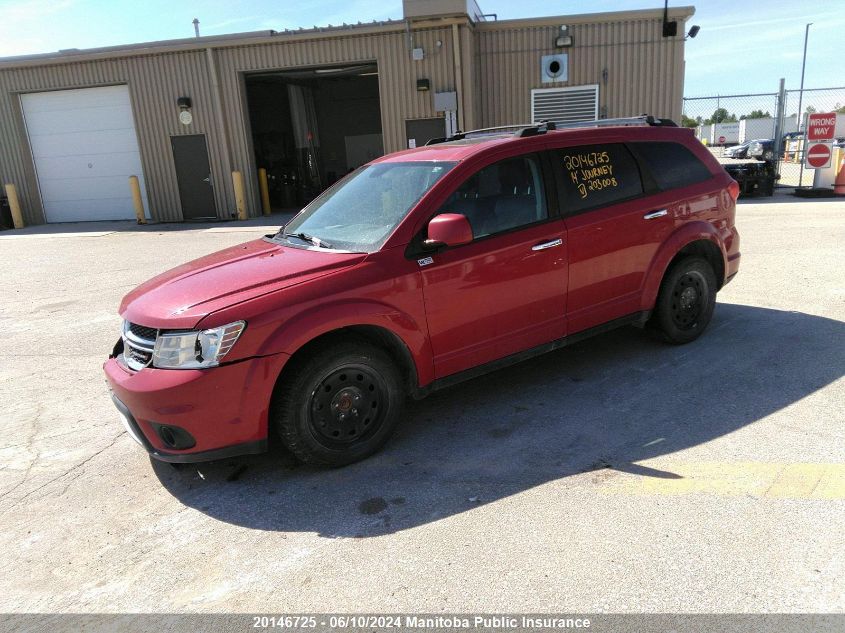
(820, 128)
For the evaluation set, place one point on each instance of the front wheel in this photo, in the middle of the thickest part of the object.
(685, 302)
(339, 405)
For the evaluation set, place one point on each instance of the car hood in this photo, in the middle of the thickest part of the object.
(183, 296)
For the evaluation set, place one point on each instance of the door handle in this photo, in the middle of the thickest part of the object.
(207, 179)
(544, 245)
(655, 214)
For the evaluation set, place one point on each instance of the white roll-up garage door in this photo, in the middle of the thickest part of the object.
(85, 148)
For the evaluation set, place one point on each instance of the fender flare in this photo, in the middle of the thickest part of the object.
(682, 237)
(296, 332)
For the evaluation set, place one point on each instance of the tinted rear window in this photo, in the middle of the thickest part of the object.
(596, 176)
(671, 164)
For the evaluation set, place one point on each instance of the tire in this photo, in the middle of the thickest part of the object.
(338, 405)
(747, 187)
(685, 302)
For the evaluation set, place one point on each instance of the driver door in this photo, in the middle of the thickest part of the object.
(505, 291)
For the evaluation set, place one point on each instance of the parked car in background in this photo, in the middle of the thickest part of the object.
(422, 269)
(737, 151)
(762, 149)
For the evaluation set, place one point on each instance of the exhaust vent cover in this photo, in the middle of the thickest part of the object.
(554, 68)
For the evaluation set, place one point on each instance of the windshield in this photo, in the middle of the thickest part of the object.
(359, 213)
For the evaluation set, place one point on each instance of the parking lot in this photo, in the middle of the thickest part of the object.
(616, 475)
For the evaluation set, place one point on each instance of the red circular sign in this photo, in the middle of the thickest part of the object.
(818, 155)
(722, 139)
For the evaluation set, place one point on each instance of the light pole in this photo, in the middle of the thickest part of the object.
(800, 99)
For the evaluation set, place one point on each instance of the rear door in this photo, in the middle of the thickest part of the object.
(614, 228)
(506, 290)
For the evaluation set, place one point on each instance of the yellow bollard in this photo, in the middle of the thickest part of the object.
(240, 196)
(265, 190)
(14, 205)
(137, 201)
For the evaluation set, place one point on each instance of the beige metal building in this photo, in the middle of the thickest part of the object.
(308, 105)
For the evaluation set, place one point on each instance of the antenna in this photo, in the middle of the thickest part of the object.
(196, 27)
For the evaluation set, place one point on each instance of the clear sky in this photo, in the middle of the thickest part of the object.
(743, 46)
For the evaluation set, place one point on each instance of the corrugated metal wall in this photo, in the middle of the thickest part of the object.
(500, 64)
(644, 69)
(155, 82)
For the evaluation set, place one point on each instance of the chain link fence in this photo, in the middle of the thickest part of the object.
(724, 121)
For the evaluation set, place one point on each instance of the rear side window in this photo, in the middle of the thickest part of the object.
(671, 164)
(596, 176)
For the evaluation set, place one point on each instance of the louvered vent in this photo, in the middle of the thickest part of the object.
(565, 105)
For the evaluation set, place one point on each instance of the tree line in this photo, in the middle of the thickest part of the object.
(721, 115)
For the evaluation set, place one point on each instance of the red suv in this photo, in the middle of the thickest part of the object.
(421, 269)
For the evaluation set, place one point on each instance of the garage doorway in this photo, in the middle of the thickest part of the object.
(84, 148)
(311, 127)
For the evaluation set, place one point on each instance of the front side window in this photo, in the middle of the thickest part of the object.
(597, 175)
(360, 212)
(501, 197)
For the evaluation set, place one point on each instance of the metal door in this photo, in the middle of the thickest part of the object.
(196, 192)
(421, 131)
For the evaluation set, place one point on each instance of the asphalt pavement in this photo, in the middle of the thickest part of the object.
(617, 475)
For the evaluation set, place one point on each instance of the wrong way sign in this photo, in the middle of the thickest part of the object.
(820, 126)
(818, 155)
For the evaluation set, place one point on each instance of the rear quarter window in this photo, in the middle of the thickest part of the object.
(596, 176)
(671, 164)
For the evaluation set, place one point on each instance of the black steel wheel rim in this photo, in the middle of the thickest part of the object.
(347, 406)
(689, 298)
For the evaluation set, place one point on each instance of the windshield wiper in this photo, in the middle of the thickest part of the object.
(316, 241)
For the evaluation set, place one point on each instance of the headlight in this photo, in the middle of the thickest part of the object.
(195, 350)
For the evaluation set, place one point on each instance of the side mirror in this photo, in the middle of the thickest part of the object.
(448, 229)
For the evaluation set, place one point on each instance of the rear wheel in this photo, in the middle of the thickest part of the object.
(338, 405)
(685, 302)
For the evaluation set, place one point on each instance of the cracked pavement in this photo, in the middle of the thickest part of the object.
(615, 475)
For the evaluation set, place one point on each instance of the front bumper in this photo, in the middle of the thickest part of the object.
(224, 409)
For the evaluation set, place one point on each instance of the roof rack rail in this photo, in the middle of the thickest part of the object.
(459, 135)
(523, 129)
(547, 126)
(644, 119)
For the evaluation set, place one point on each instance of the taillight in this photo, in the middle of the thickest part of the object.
(733, 189)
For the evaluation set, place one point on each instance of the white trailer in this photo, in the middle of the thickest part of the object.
(724, 133)
(752, 129)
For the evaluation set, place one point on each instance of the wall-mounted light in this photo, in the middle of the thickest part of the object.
(185, 116)
(564, 39)
(423, 85)
(693, 32)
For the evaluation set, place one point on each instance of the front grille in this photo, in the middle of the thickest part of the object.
(141, 331)
(138, 345)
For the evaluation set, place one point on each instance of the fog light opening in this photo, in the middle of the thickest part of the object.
(167, 436)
